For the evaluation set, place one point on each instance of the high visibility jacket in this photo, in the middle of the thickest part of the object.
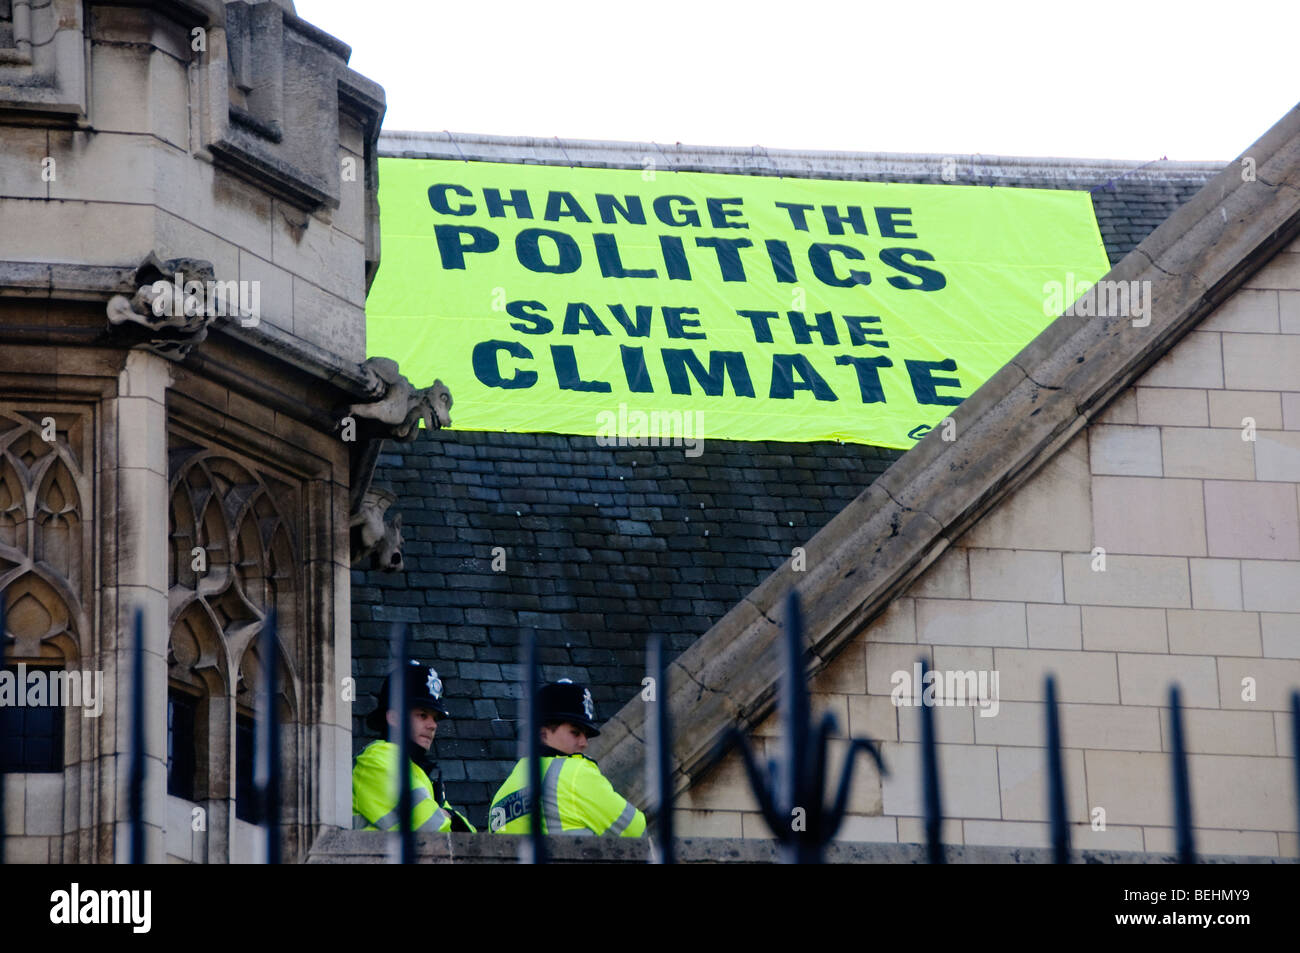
(576, 799)
(374, 794)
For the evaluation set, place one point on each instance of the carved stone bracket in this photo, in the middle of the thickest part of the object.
(402, 406)
(394, 414)
(172, 303)
(375, 538)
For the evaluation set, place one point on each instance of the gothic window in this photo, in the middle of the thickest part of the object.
(44, 568)
(233, 561)
(182, 709)
(31, 735)
(45, 544)
(245, 799)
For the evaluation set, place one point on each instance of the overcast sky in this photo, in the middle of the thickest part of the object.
(1128, 80)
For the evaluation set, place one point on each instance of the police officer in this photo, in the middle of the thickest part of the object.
(374, 784)
(576, 797)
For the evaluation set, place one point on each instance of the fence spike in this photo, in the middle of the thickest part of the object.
(1295, 746)
(399, 701)
(801, 784)
(930, 779)
(266, 773)
(135, 793)
(533, 747)
(1057, 809)
(659, 760)
(794, 705)
(1185, 842)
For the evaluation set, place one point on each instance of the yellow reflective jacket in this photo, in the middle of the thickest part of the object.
(576, 799)
(374, 794)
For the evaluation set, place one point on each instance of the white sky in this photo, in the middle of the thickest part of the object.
(1132, 79)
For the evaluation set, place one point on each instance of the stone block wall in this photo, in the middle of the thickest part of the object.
(234, 134)
(1190, 483)
(122, 180)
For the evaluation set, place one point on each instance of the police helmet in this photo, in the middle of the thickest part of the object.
(423, 690)
(565, 701)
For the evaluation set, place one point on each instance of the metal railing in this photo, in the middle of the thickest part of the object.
(791, 794)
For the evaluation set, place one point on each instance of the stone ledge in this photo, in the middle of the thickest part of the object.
(370, 847)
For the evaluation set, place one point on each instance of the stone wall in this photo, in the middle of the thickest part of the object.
(368, 847)
(188, 465)
(113, 175)
(1190, 483)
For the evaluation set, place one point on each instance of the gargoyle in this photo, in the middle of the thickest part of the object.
(395, 414)
(403, 405)
(373, 538)
(171, 303)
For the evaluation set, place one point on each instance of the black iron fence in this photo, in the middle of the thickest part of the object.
(791, 793)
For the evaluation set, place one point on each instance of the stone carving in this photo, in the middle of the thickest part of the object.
(394, 414)
(45, 531)
(173, 302)
(233, 558)
(373, 538)
(402, 405)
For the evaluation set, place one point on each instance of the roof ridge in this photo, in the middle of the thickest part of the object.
(555, 150)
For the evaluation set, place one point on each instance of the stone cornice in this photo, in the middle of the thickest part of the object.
(757, 160)
(56, 281)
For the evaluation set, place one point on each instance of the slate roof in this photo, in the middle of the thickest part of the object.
(606, 545)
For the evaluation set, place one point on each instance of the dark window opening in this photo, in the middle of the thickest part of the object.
(245, 795)
(31, 737)
(182, 715)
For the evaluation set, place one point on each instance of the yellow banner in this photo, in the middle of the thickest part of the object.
(623, 304)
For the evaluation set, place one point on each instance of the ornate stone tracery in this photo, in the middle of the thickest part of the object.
(234, 558)
(45, 530)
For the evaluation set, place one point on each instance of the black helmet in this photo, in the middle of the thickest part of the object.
(423, 690)
(564, 701)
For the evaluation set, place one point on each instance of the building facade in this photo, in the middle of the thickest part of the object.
(187, 231)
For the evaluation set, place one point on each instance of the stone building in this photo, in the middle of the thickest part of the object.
(188, 229)
(208, 467)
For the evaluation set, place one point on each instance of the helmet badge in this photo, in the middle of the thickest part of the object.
(434, 684)
(588, 706)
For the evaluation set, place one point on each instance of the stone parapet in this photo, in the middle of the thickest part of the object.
(370, 847)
